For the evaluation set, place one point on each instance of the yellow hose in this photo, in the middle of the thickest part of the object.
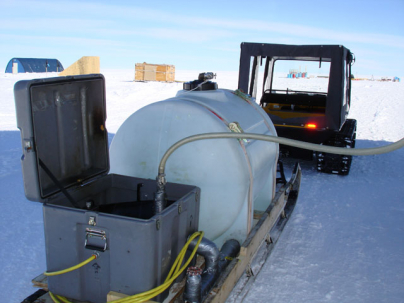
(56, 298)
(174, 273)
(60, 272)
(63, 299)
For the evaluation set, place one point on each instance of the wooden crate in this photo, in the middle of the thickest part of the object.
(154, 72)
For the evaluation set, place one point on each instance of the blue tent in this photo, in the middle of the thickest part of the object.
(34, 65)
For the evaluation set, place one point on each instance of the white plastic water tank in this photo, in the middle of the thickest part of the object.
(236, 177)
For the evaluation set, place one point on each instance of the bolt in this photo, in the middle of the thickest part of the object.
(91, 221)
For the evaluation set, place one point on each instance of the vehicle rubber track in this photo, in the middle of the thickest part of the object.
(338, 164)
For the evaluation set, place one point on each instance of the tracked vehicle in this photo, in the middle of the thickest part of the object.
(313, 111)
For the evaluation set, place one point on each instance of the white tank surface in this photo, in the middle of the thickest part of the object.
(236, 177)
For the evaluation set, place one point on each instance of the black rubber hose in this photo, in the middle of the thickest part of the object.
(229, 251)
(33, 298)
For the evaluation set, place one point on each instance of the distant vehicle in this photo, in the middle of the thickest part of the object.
(317, 114)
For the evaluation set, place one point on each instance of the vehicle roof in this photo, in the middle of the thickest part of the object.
(339, 55)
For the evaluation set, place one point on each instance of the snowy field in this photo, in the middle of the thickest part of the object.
(343, 243)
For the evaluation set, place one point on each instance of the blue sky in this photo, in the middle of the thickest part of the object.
(204, 35)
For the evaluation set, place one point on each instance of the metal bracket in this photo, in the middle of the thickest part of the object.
(92, 221)
(29, 145)
(249, 272)
(236, 128)
(95, 240)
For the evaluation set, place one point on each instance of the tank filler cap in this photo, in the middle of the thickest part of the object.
(202, 83)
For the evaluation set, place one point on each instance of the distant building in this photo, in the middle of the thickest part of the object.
(33, 65)
(154, 72)
(294, 73)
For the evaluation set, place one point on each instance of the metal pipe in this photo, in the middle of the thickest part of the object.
(160, 198)
(210, 252)
(192, 292)
(215, 263)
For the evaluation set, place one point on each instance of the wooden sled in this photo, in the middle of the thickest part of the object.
(262, 239)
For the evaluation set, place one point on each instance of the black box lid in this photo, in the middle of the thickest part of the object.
(63, 133)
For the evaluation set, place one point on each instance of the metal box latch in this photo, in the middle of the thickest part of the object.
(95, 239)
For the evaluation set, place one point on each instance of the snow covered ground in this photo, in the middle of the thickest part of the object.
(343, 243)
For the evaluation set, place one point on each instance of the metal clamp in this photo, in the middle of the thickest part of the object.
(236, 128)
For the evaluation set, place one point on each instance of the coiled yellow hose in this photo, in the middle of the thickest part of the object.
(174, 273)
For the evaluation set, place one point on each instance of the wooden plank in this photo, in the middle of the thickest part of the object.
(263, 227)
(248, 250)
(237, 267)
(112, 295)
(262, 254)
(46, 298)
(139, 72)
(150, 72)
(85, 65)
(176, 291)
(41, 281)
(258, 214)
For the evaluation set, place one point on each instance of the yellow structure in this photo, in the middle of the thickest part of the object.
(85, 65)
(154, 72)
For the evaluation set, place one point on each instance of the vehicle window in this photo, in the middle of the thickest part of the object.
(301, 76)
